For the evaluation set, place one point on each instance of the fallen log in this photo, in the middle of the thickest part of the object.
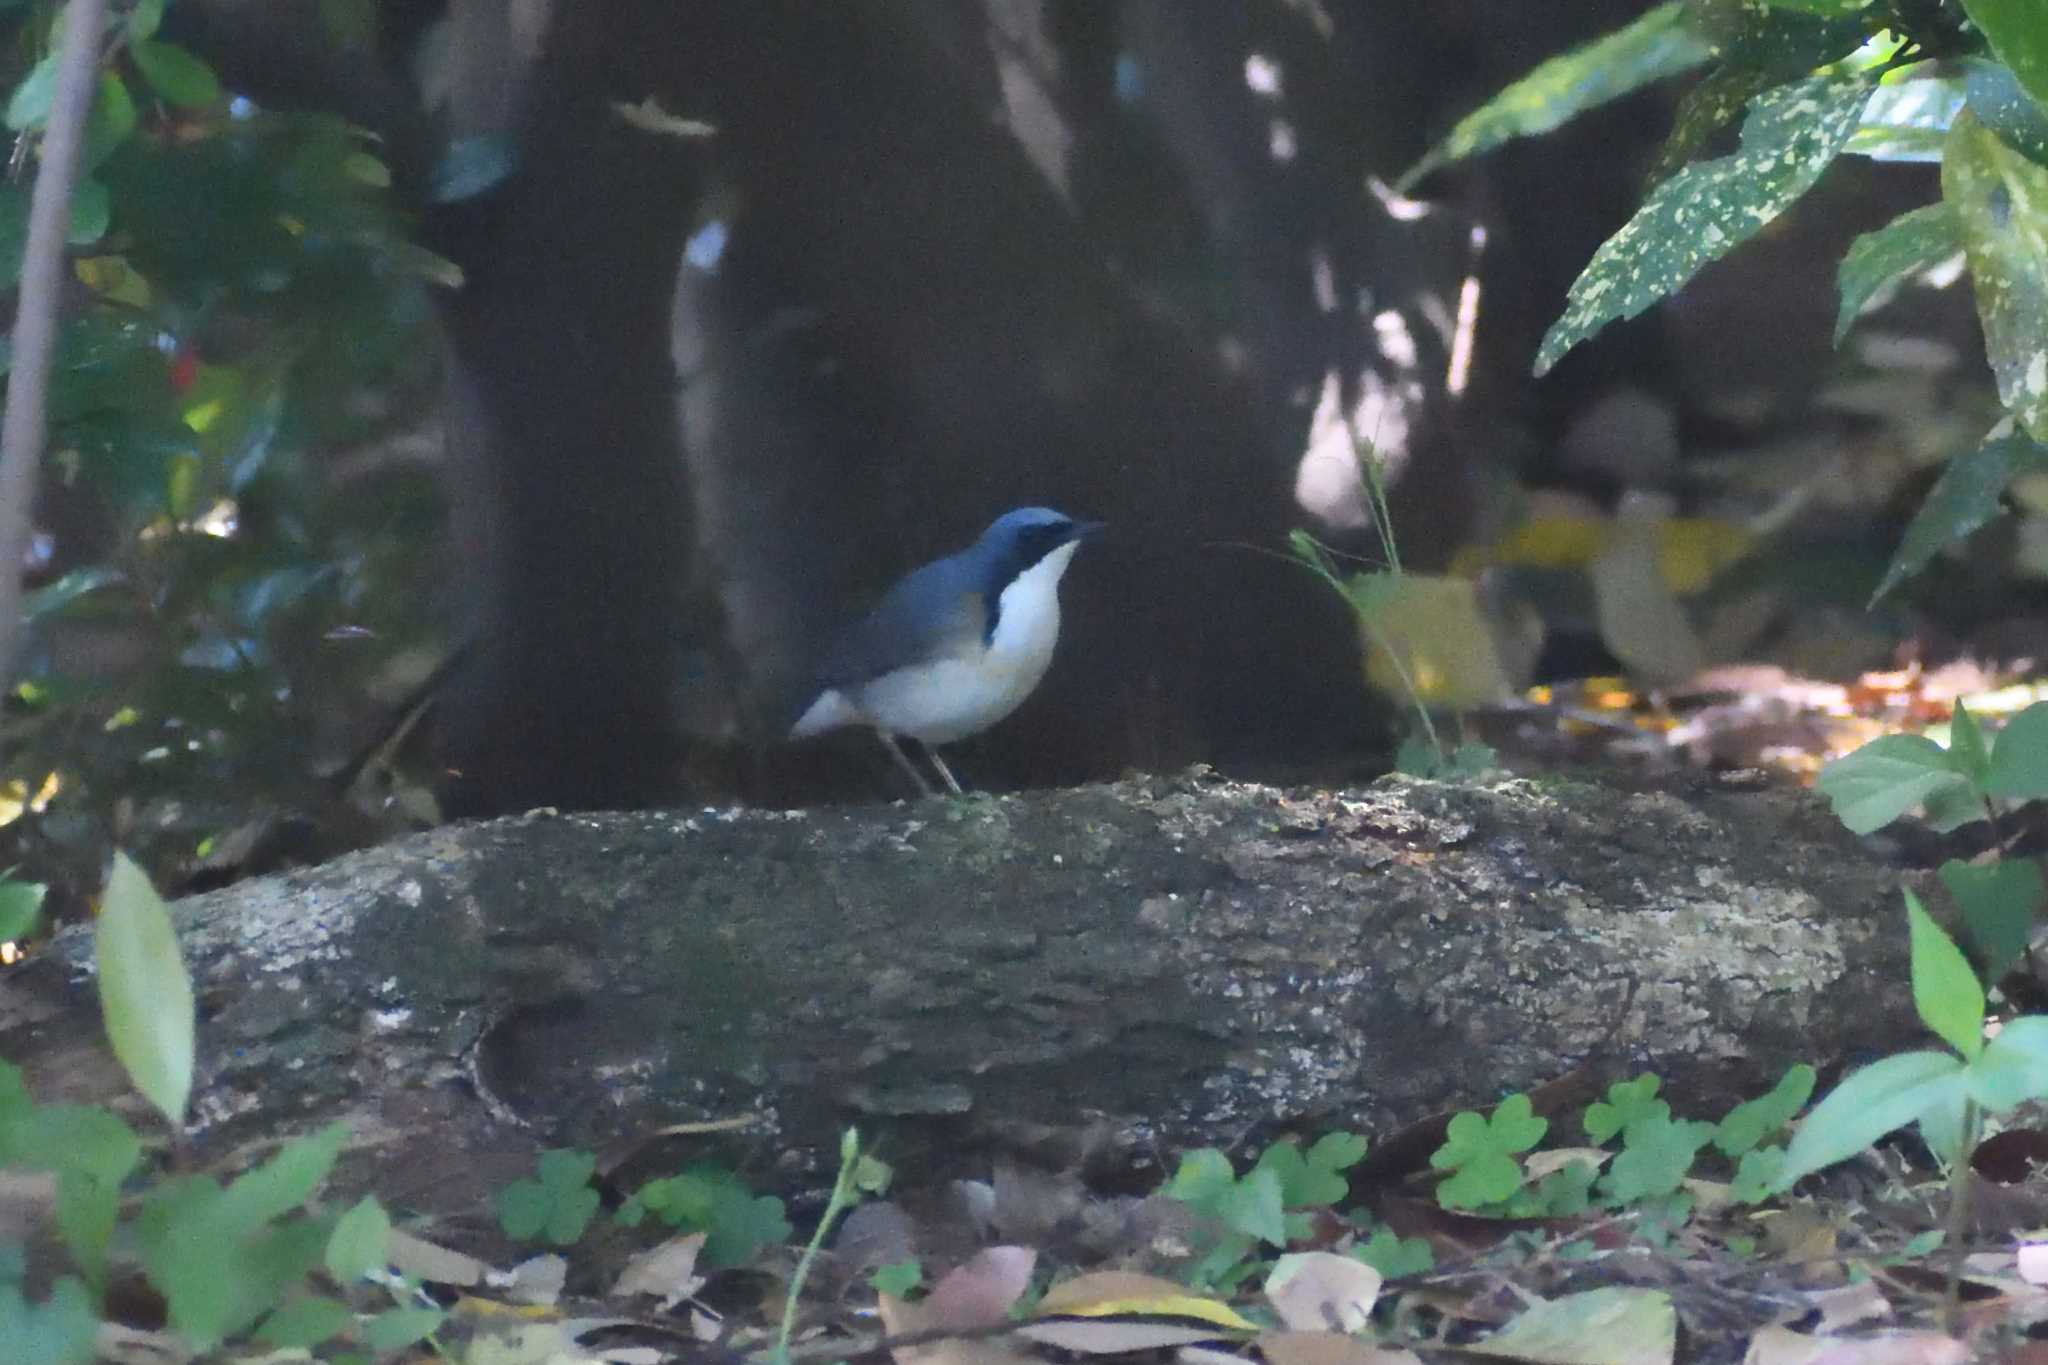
(1174, 960)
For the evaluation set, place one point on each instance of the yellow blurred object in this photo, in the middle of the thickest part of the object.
(15, 801)
(112, 278)
(1691, 551)
(1427, 636)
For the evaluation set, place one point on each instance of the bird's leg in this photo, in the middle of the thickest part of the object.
(944, 771)
(902, 761)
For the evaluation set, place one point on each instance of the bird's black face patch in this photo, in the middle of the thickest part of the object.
(1029, 545)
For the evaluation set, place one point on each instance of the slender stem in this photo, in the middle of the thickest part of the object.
(843, 1198)
(1959, 1216)
(23, 427)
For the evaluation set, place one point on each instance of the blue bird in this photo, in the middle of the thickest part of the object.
(955, 646)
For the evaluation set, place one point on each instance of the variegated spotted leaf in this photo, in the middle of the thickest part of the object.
(2018, 38)
(1659, 44)
(1911, 242)
(1711, 207)
(1909, 119)
(1963, 501)
(2001, 204)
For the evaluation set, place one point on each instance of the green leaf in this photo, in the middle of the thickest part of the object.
(2013, 1067)
(1945, 1123)
(1945, 987)
(558, 1205)
(52, 598)
(1567, 1191)
(75, 1137)
(1482, 1152)
(217, 1274)
(1750, 1122)
(1963, 500)
(737, 1223)
(1967, 751)
(1311, 1180)
(1756, 1175)
(1661, 43)
(1886, 778)
(1395, 1256)
(1626, 1102)
(898, 1278)
(285, 1182)
(395, 1329)
(1341, 1151)
(1828, 8)
(89, 213)
(60, 1331)
(2019, 759)
(1656, 1155)
(2001, 203)
(1911, 242)
(1201, 1180)
(304, 1321)
(1614, 1324)
(2018, 38)
(175, 74)
(1908, 119)
(2002, 106)
(1709, 208)
(1870, 1102)
(21, 909)
(1999, 901)
(144, 20)
(1253, 1207)
(87, 1208)
(145, 993)
(358, 1245)
(30, 104)
(1711, 104)
(523, 1209)
(109, 127)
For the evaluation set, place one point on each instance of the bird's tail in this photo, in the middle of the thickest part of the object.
(830, 711)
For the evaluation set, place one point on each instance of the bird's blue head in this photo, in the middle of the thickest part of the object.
(1017, 540)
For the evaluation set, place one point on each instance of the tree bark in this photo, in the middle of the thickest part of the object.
(1173, 960)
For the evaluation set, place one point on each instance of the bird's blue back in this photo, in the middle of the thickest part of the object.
(942, 607)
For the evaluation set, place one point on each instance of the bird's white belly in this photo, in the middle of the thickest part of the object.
(957, 695)
(949, 699)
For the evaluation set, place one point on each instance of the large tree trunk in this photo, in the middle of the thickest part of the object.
(1180, 959)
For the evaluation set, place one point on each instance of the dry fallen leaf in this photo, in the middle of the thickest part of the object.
(1114, 1336)
(538, 1280)
(1896, 1348)
(975, 1295)
(1775, 1345)
(1552, 1160)
(981, 1291)
(1599, 1327)
(118, 1345)
(435, 1264)
(1319, 1291)
(667, 1272)
(1849, 1304)
(1107, 1293)
(1328, 1348)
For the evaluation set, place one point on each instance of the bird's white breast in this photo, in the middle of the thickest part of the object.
(962, 694)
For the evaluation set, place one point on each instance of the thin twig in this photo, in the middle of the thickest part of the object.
(22, 429)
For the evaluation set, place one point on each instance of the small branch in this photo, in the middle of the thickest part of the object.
(23, 428)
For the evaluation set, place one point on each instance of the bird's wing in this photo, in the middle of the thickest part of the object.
(929, 615)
